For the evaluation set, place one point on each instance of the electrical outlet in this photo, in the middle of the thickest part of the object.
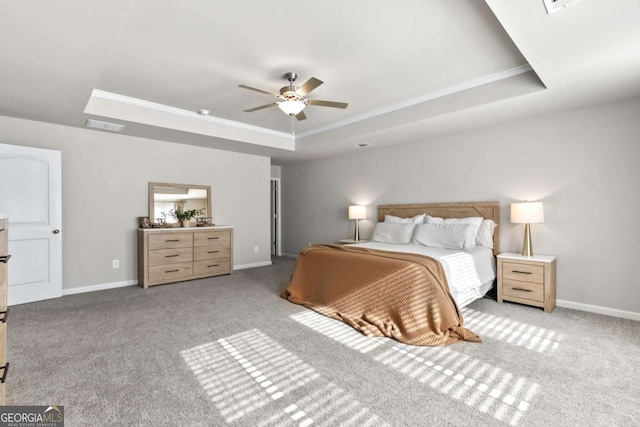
(116, 263)
(256, 249)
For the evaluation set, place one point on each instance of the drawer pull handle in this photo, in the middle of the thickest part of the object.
(171, 271)
(5, 258)
(4, 374)
(213, 252)
(174, 240)
(214, 265)
(5, 314)
(171, 256)
(2, 229)
(522, 289)
(521, 272)
(212, 238)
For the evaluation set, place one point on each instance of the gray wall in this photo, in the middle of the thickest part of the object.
(104, 190)
(583, 164)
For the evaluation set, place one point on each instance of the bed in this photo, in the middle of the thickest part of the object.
(400, 288)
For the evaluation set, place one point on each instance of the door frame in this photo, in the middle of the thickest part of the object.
(276, 214)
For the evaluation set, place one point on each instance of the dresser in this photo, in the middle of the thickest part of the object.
(4, 262)
(167, 255)
(527, 280)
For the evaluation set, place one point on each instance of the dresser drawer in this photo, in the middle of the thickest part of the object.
(170, 240)
(210, 252)
(523, 272)
(214, 237)
(523, 290)
(212, 267)
(3, 343)
(170, 256)
(160, 273)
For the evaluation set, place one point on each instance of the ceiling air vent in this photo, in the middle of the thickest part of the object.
(97, 124)
(553, 6)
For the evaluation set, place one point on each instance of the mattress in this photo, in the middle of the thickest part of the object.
(470, 273)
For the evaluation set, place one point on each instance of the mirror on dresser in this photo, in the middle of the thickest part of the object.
(166, 196)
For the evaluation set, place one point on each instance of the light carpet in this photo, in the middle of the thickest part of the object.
(229, 351)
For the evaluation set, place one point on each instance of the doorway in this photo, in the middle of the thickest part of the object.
(276, 234)
(31, 197)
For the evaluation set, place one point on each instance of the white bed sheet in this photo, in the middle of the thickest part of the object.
(470, 273)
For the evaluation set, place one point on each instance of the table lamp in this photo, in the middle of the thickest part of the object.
(527, 213)
(357, 213)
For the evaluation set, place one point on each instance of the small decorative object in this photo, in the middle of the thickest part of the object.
(527, 213)
(183, 216)
(204, 221)
(357, 213)
(144, 222)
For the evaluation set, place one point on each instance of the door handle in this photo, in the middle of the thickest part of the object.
(56, 231)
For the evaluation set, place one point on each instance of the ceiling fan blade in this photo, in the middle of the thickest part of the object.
(250, 110)
(309, 85)
(327, 103)
(301, 116)
(259, 90)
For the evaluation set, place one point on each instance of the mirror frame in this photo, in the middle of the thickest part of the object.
(152, 188)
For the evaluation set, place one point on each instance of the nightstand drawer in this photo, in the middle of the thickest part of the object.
(524, 290)
(523, 272)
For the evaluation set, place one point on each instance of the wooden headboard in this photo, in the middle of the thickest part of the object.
(488, 210)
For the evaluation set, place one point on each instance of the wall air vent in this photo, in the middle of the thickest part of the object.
(553, 6)
(97, 124)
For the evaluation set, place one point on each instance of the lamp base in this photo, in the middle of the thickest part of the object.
(527, 245)
(356, 236)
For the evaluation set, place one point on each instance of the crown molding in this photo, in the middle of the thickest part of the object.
(511, 72)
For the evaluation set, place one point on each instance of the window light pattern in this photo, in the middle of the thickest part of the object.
(338, 331)
(478, 384)
(511, 331)
(249, 373)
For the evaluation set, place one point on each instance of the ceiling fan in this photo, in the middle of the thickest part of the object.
(292, 99)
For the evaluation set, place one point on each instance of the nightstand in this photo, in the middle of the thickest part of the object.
(527, 280)
(350, 241)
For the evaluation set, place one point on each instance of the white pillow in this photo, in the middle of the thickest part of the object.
(389, 232)
(450, 236)
(418, 219)
(485, 233)
(472, 232)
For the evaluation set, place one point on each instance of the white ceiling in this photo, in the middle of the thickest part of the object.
(409, 69)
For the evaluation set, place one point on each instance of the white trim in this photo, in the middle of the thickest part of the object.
(421, 99)
(109, 96)
(290, 255)
(100, 287)
(256, 264)
(599, 310)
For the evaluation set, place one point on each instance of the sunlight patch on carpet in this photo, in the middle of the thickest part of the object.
(251, 375)
(338, 331)
(479, 385)
(511, 331)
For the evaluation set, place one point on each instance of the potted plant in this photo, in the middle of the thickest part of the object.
(183, 216)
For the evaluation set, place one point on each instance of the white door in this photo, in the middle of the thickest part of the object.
(31, 197)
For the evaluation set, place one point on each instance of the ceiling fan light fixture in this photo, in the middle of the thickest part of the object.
(291, 107)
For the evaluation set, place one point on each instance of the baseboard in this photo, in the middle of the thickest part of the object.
(290, 255)
(599, 310)
(104, 286)
(257, 264)
(101, 287)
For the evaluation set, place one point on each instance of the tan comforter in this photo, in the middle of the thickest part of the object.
(379, 293)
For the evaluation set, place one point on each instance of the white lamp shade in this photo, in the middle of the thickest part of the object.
(527, 213)
(291, 107)
(357, 212)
